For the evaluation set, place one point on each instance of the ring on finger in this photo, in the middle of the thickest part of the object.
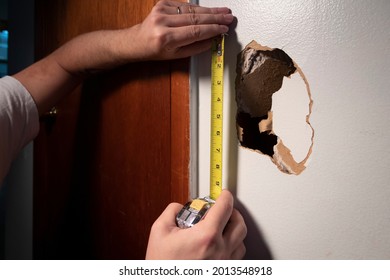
(191, 10)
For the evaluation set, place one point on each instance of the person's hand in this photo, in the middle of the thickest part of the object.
(171, 30)
(219, 235)
(176, 29)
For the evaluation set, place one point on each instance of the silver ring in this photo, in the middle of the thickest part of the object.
(178, 10)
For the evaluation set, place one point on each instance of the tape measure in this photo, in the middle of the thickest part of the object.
(195, 210)
(216, 131)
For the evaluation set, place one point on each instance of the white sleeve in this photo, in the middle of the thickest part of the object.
(19, 121)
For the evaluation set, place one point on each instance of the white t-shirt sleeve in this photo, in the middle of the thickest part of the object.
(19, 121)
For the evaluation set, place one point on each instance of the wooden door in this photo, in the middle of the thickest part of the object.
(117, 152)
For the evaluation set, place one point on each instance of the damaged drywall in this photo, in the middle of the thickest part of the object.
(260, 73)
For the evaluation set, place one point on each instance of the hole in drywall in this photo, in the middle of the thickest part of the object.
(289, 107)
(271, 108)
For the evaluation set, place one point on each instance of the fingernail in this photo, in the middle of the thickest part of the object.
(224, 10)
(228, 17)
(224, 29)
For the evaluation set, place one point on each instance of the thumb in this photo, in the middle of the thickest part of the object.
(168, 216)
(220, 213)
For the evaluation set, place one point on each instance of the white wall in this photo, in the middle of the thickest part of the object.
(339, 207)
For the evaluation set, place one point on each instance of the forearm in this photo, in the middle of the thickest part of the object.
(164, 34)
(49, 79)
(100, 50)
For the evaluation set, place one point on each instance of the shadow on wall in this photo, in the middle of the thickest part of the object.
(232, 48)
(256, 248)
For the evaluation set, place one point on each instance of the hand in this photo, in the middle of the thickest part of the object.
(164, 34)
(219, 235)
(176, 29)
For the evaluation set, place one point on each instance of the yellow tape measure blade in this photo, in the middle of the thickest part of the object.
(216, 137)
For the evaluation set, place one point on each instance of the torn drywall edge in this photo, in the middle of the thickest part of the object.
(254, 104)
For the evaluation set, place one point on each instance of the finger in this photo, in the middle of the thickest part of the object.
(220, 213)
(196, 19)
(195, 9)
(168, 216)
(235, 230)
(186, 35)
(174, 7)
(239, 253)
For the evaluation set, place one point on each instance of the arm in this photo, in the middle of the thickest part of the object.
(164, 34)
(219, 235)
